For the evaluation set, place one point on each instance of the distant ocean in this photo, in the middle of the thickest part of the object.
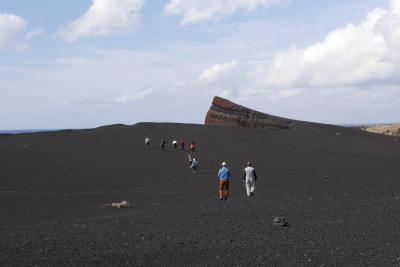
(26, 131)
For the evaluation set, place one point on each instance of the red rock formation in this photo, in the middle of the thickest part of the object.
(226, 113)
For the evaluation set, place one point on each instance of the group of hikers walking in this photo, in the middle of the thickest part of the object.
(224, 174)
(174, 145)
(192, 161)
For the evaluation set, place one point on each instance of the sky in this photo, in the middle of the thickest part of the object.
(88, 63)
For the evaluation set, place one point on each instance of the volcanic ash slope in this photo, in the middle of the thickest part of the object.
(338, 188)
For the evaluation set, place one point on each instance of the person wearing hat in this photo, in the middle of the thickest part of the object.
(249, 178)
(224, 174)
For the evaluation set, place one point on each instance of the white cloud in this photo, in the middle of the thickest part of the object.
(132, 97)
(193, 11)
(3, 109)
(354, 55)
(34, 34)
(215, 72)
(66, 103)
(225, 93)
(104, 18)
(10, 27)
(288, 93)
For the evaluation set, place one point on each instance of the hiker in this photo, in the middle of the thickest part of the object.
(183, 145)
(163, 144)
(224, 174)
(192, 147)
(175, 144)
(249, 178)
(194, 166)
(147, 142)
(190, 157)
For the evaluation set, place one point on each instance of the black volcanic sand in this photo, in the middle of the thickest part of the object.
(339, 188)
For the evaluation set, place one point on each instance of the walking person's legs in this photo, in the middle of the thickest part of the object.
(253, 187)
(221, 190)
(248, 188)
(226, 190)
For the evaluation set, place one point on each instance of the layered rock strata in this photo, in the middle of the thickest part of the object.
(226, 113)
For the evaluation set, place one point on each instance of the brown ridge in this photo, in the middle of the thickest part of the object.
(226, 113)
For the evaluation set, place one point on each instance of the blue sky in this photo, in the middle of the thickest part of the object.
(79, 64)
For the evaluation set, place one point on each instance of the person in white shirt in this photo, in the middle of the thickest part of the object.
(194, 166)
(147, 142)
(175, 144)
(249, 178)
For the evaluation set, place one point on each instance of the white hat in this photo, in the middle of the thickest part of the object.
(224, 163)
